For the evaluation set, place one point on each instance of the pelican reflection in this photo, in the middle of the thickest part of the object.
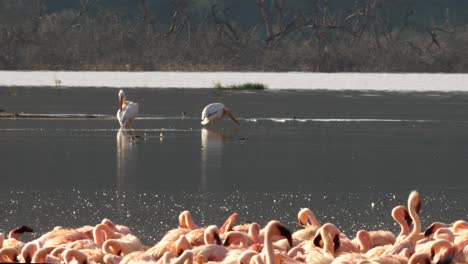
(126, 156)
(212, 142)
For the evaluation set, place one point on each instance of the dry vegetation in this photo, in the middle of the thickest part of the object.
(96, 38)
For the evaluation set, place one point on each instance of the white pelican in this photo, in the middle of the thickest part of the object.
(128, 110)
(214, 112)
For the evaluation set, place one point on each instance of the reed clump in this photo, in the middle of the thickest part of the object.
(244, 86)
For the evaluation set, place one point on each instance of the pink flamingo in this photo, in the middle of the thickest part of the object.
(446, 252)
(83, 244)
(444, 233)
(309, 222)
(43, 255)
(401, 215)
(366, 240)
(274, 228)
(196, 237)
(60, 236)
(442, 251)
(460, 226)
(203, 236)
(103, 232)
(210, 252)
(252, 229)
(228, 224)
(186, 224)
(185, 258)
(28, 251)
(8, 254)
(70, 255)
(380, 239)
(334, 241)
(460, 230)
(13, 238)
(420, 258)
(237, 239)
(174, 247)
(433, 227)
(124, 230)
(112, 259)
(87, 230)
(122, 246)
(407, 245)
(138, 257)
(84, 256)
(246, 256)
(307, 252)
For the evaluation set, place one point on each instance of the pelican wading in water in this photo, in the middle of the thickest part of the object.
(214, 112)
(128, 110)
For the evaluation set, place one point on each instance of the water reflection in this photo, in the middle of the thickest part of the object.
(212, 141)
(126, 156)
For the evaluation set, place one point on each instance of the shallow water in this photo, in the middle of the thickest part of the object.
(349, 156)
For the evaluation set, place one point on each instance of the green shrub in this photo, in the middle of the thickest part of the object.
(244, 86)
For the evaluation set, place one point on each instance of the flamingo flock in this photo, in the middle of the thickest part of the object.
(248, 243)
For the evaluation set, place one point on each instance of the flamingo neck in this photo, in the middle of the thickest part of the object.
(363, 241)
(270, 254)
(101, 233)
(312, 219)
(413, 236)
(254, 232)
(185, 258)
(328, 233)
(70, 254)
(404, 228)
(188, 222)
(40, 255)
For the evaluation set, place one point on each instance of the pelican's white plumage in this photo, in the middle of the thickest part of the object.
(128, 110)
(214, 112)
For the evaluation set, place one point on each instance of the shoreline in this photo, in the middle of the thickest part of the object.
(404, 82)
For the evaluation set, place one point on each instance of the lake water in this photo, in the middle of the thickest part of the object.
(350, 156)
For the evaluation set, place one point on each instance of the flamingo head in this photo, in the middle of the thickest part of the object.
(414, 201)
(278, 229)
(16, 233)
(400, 213)
(303, 217)
(408, 218)
(433, 228)
(443, 251)
(460, 225)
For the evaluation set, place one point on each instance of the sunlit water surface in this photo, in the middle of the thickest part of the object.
(349, 156)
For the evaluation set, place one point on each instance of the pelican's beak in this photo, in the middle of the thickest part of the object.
(121, 101)
(232, 117)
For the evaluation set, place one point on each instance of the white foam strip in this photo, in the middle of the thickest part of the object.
(283, 120)
(100, 129)
(283, 80)
(253, 120)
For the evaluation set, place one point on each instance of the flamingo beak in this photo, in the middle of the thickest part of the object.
(429, 231)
